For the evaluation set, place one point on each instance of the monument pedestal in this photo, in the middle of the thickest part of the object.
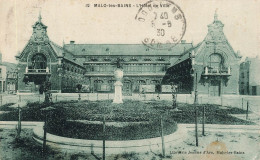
(118, 92)
(118, 86)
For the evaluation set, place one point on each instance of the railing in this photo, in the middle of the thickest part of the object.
(37, 70)
(216, 71)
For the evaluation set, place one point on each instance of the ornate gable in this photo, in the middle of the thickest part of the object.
(39, 35)
(215, 42)
(215, 31)
(38, 43)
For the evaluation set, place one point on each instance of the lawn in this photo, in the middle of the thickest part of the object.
(63, 120)
(129, 111)
(25, 148)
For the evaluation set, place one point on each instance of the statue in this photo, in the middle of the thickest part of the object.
(118, 65)
(174, 96)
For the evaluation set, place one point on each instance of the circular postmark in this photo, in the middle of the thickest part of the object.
(164, 24)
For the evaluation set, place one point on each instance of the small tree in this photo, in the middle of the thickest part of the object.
(79, 87)
(174, 96)
(46, 89)
(19, 127)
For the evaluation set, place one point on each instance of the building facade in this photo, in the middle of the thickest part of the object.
(11, 82)
(2, 76)
(143, 68)
(91, 65)
(8, 77)
(42, 59)
(213, 62)
(249, 80)
(11, 77)
(212, 66)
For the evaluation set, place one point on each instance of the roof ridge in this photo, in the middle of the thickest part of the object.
(115, 44)
(62, 48)
(56, 44)
(186, 52)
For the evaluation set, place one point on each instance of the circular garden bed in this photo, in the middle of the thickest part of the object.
(130, 131)
(131, 120)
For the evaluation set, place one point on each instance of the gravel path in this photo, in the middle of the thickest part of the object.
(215, 145)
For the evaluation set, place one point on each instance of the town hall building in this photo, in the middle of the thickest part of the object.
(212, 66)
(92, 65)
(42, 59)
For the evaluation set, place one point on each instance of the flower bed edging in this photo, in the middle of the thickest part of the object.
(112, 147)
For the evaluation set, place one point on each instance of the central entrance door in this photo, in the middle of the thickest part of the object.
(214, 88)
(254, 90)
(127, 88)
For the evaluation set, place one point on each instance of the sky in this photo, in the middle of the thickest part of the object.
(71, 20)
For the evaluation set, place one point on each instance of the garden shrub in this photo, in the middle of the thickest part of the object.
(6, 107)
(142, 130)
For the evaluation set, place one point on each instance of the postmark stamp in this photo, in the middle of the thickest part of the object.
(163, 22)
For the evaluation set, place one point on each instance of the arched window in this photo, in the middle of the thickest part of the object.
(160, 59)
(97, 85)
(215, 62)
(133, 59)
(147, 59)
(39, 61)
(142, 82)
(107, 59)
(155, 82)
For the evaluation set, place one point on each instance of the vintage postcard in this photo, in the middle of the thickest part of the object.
(130, 79)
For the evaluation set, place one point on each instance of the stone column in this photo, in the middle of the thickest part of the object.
(118, 92)
(118, 86)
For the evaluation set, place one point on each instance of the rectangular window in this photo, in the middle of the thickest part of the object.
(242, 75)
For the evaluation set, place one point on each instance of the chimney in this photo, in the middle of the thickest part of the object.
(72, 42)
(183, 41)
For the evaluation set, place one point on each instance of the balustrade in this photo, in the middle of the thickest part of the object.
(217, 71)
(46, 70)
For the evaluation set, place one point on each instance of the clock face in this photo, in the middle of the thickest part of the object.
(39, 32)
(38, 27)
